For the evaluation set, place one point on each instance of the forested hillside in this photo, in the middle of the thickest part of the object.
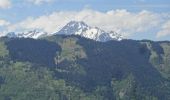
(74, 68)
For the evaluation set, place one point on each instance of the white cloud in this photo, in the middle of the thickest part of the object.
(3, 23)
(165, 30)
(122, 21)
(38, 2)
(5, 4)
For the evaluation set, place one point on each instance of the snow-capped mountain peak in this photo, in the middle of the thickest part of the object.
(95, 33)
(77, 24)
(73, 27)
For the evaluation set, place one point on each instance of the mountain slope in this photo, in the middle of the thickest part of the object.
(77, 68)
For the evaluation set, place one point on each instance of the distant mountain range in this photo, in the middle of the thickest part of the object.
(29, 34)
(72, 28)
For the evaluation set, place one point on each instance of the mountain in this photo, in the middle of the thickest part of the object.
(28, 34)
(82, 29)
(73, 28)
(71, 67)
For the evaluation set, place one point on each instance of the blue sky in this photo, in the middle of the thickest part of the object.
(136, 19)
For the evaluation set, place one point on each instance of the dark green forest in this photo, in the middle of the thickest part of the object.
(63, 67)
